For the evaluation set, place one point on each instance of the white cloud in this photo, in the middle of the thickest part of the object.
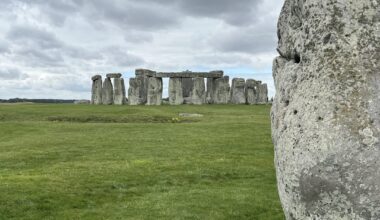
(50, 49)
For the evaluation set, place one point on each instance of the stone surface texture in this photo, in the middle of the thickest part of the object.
(107, 92)
(113, 75)
(96, 91)
(190, 74)
(175, 91)
(154, 91)
(137, 92)
(198, 94)
(221, 90)
(210, 90)
(187, 87)
(251, 91)
(144, 73)
(326, 112)
(238, 91)
(262, 93)
(119, 91)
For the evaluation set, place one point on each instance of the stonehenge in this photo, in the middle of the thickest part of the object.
(238, 91)
(96, 95)
(326, 111)
(221, 90)
(185, 87)
(154, 91)
(119, 91)
(175, 91)
(107, 92)
(198, 94)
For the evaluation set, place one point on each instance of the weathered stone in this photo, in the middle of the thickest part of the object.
(251, 91)
(262, 93)
(187, 87)
(175, 91)
(154, 91)
(137, 92)
(210, 90)
(119, 91)
(114, 75)
(221, 90)
(107, 92)
(238, 91)
(189, 74)
(198, 94)
(96, 91)
(145, 73)
(326, 112)
(96, 77)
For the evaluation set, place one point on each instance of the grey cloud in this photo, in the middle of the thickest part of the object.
(138, 37)
(34, 36)
(121, 57)
(237, 13)
(11, 74)
(4, 47)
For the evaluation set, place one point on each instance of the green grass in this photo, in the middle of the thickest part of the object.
(123, 162)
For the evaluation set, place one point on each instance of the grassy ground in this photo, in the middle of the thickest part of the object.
(123, 162)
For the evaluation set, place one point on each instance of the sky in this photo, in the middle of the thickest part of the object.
(50, 49)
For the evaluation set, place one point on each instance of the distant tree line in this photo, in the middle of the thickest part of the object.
(17, 100)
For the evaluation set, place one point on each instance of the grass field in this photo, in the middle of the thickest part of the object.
(123, 162)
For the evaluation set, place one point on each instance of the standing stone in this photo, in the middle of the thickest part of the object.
(210, 90)
(198, 94)
(175, 91)
(96, 92)
(221, 90)
(119, 91)
(251, 91)
(262, 93)
(107, 92)
(137, 92)
(187, 87)
(238, 91)
(114, 75)
(154, 91)
(326, 112)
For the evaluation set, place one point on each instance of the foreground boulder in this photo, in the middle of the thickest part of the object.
(326, 112)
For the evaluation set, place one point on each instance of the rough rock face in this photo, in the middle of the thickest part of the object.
(154, 91)
(221, 90)
(137, 92)
(251, 91)
(326, 113)
(113, 75)
(210, 90)
(175, 91)
(262, 93)
(238, 91)
(107, 92)
(187, 86)
(198, 94)
(96, 92)
(119, 91)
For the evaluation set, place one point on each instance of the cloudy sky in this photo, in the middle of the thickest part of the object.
(50, 49)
